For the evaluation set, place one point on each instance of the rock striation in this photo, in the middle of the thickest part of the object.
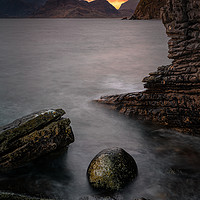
(172, 95)
(33, 136)
(148, 9)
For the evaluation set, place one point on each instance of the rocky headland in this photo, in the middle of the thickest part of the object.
(172, 95)
(148, 9)
(33, 136)
(128, 8)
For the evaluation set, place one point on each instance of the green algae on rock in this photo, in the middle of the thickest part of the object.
(111, 169)
(13, 196)
(33, 136)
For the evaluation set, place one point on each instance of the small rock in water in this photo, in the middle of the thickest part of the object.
(33, 136)
(111, 169)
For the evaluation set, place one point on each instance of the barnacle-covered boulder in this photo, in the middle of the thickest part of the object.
(33, 136)
(111, 169)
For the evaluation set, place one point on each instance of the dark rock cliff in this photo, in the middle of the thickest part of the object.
(148, 9)
(172, 95)
(127, 8)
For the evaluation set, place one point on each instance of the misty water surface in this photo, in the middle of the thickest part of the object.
(66, 63)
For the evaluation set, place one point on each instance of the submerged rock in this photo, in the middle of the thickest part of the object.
(111, 169)
(33, 136)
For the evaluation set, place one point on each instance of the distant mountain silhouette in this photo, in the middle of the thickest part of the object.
(57, 8)
(76, 8)
(104, 7)
(19, 8)
(127, 8)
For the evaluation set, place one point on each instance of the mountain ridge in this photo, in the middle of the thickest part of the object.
(76, 9)
(127, 8)
(57, 9)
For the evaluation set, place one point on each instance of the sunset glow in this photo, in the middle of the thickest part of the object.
(116, 3)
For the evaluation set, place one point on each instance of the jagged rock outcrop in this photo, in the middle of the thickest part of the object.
(33, 136)
(148, 9)
(127, 8)
(172, 95)
(77, 9)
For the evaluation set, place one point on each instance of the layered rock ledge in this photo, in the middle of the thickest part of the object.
(172, 95)
(33, 136)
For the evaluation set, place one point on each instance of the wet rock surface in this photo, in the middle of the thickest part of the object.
(12, 196)
(107, 197)
(172, 96)
(111, 169)
(101, 198)
(33, 136)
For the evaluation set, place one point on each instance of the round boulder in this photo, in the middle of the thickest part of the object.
(111, 169)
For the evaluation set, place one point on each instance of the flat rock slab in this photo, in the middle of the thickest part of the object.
(33, 136)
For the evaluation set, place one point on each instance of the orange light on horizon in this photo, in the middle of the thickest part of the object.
(115, 3)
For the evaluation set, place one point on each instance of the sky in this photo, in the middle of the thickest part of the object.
(116, 3)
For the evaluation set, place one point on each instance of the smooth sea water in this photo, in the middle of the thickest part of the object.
(66, 63)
